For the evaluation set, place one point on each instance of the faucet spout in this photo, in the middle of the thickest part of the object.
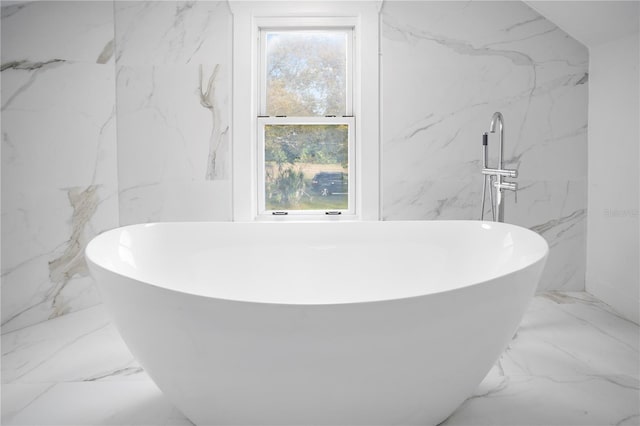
(498, 120)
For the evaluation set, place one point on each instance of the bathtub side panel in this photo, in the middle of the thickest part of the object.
(403, 361)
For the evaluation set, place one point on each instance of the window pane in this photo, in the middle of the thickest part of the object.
(306, 167)
(306, 73)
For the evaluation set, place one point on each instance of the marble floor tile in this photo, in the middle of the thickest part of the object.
(89, 403)
(551, 400)
(574, 361)
(83, 346)
(565, 335)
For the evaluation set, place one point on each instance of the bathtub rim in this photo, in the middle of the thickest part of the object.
(93, 264)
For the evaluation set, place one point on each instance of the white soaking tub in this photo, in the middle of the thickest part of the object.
(348, 323)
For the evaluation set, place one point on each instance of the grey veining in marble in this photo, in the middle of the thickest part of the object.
(107, 53)
(446, 67)
(218, 140)
(173, 83)
(24, 65)
(71, 261)
(58, 165)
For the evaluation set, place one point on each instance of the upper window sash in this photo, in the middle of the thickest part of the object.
(295, 26)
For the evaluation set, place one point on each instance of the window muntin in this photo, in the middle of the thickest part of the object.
(306, 131)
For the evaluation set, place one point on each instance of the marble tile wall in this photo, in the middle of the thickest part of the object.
(173, 63)
(59, 182)
(446, 67)
(70, 72)
(162, 72)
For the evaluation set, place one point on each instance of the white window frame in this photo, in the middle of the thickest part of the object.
(266, 25)
(248, 19)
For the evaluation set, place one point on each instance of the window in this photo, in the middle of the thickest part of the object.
(305, 123)
(305, 137)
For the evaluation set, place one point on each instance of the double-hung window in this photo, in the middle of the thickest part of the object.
(305, 123)
(305, 129)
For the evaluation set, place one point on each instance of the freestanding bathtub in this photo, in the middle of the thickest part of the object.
(349, 323)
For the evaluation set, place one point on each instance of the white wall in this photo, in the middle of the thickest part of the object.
(614, 136)
(173, 91)
(59, 182)
(71, 70)
(446, 67)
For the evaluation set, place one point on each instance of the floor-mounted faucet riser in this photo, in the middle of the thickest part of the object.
(495, 176)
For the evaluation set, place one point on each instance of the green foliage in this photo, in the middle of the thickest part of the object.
(286, 189)
(319, 144)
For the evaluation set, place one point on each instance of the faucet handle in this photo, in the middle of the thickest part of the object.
(500, 172)
(511, 186)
